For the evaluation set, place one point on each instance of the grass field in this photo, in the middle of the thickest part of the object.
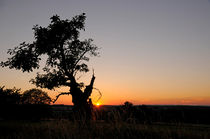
(65, 129)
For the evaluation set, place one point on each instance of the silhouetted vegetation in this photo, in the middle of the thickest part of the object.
(35, 96)
(125, 121)
(31, 105)
(146, 114)
(34, 117)
(67, 57)
(65, 129)
(9, 96)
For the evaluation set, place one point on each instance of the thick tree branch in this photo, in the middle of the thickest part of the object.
(89, 88)
(92, 80)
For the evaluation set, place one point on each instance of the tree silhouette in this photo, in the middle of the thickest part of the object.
(35, 96)
(9, 96)
(66, 57)
(32, 104)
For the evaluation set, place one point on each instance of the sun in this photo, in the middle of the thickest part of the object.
(98, 104)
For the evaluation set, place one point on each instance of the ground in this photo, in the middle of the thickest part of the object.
(65, 129)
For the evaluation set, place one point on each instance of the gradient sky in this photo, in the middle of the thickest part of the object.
(152, 51)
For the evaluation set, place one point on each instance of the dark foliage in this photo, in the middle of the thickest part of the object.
(66, 57)
(9, 96)
(35, 96)
(60, 42)
(155, 114)
(32, 104)
(25, 112)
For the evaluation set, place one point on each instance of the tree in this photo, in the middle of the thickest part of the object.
(128, 104)
(66, 58)
(35, 96)
(9, 96)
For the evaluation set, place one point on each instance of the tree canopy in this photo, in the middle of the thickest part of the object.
(35, 96)
(66, 55)
(60, 42)
(14, 96)
(9, 96)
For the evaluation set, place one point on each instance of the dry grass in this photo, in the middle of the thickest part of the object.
(64, 129)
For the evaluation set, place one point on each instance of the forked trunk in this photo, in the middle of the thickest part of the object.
(82, 107)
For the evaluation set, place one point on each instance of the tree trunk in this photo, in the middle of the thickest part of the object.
(82, 108)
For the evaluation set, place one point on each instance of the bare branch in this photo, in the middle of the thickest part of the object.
(93, 72)
(92, 80)
(78, 60)
(99, 94)
(64, 93)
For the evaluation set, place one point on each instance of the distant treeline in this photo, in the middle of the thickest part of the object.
(156, 114)
(147, 114)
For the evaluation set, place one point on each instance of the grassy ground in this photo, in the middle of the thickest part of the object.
(64, 129)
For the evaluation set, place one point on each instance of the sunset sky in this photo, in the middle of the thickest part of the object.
(152, 51)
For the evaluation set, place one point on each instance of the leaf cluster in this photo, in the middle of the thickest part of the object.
(66, 53)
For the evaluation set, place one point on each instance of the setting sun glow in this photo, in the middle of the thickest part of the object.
(98, 104)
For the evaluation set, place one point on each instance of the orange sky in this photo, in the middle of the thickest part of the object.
(116, 92)
(152, 52)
